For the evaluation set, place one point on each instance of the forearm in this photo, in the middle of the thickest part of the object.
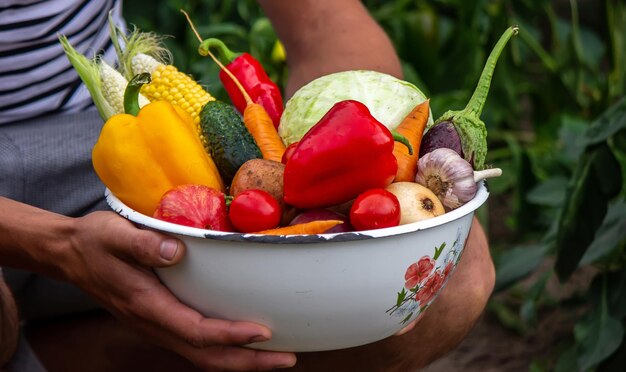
(9, 324)
(31, 238)
(319, 38)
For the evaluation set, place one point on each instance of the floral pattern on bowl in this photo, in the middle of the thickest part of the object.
(424, 279)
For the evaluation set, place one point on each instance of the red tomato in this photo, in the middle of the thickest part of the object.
(375, 209)
(254, 210)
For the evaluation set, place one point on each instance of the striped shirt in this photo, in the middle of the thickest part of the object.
(36, 77)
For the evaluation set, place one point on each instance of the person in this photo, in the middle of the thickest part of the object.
(61, 248)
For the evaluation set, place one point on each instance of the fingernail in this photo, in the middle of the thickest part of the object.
(288, 364)
(169, 248)
(258, 338)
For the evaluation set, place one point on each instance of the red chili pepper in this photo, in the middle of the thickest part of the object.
(252, 77)
(346, 153)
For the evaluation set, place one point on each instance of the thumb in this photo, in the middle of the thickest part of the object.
(153, 249)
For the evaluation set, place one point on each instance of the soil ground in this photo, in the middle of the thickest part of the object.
(491, 347)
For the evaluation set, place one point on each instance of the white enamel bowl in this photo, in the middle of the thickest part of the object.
(316, 292)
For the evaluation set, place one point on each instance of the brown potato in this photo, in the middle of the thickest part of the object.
(266, 175)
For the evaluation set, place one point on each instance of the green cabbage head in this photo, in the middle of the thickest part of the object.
(389, 100)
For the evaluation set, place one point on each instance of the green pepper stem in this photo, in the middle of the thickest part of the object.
(403, 140)
(131, 94)
(476, 103)
(225, 55)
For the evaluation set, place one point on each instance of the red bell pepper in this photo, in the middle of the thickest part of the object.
(252, 77)
(346, 153)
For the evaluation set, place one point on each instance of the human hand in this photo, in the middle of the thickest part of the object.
(110, 259)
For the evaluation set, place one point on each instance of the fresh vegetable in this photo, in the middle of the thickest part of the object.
(313, 227)
(451, 177)
(254, 210)
(471, 130)
(417, 202)
(412, 127)
(266, 175)
(288, 152)
(375, 209)
(259, 124)
(143, 53)
(169, 84)
(346, 153)
(441, 135)
(196, 206)
(253, 78)
(227, 139)
(105, 84)
(144, 153)
(389, 100)
(320, 214)
(255, 117)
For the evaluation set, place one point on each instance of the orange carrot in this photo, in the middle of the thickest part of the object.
(262, 129)
(312, 227)
(255, 117)
(412, 127)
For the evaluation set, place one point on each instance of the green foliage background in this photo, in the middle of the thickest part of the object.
(556, 117)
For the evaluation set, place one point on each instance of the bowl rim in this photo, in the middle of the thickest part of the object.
(146, 221)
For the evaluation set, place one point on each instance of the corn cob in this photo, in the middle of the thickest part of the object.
(173, 86)
(113, 87)
(144, 52)
(105, 84)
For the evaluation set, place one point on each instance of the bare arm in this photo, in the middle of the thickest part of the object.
(325, 36)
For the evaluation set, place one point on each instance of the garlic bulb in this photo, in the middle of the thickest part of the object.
(450, 176)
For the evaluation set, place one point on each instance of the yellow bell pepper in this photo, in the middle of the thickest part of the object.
(141, 157)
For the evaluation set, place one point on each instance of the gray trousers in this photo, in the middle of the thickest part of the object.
(46, 162)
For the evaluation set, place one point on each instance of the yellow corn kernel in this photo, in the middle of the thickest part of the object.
(173, 86)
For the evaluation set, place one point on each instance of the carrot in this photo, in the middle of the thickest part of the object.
(412, 127)
(312, 227)
(262, 129)
(255, 117)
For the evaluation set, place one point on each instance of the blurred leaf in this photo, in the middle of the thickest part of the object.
(611, 233)
(568, 360)
(262, 39)
(617, 143)
(616, 19)
(528, 310)
(500, 185)
(506, 316)
(598, 336)
(572, 137)
(517, 263)
(617, 294)
(616, 362)
(549, 193)
(222, 30)
(594, 183)
(609, 123)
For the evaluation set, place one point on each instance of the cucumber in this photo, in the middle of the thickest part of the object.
(227, 139)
